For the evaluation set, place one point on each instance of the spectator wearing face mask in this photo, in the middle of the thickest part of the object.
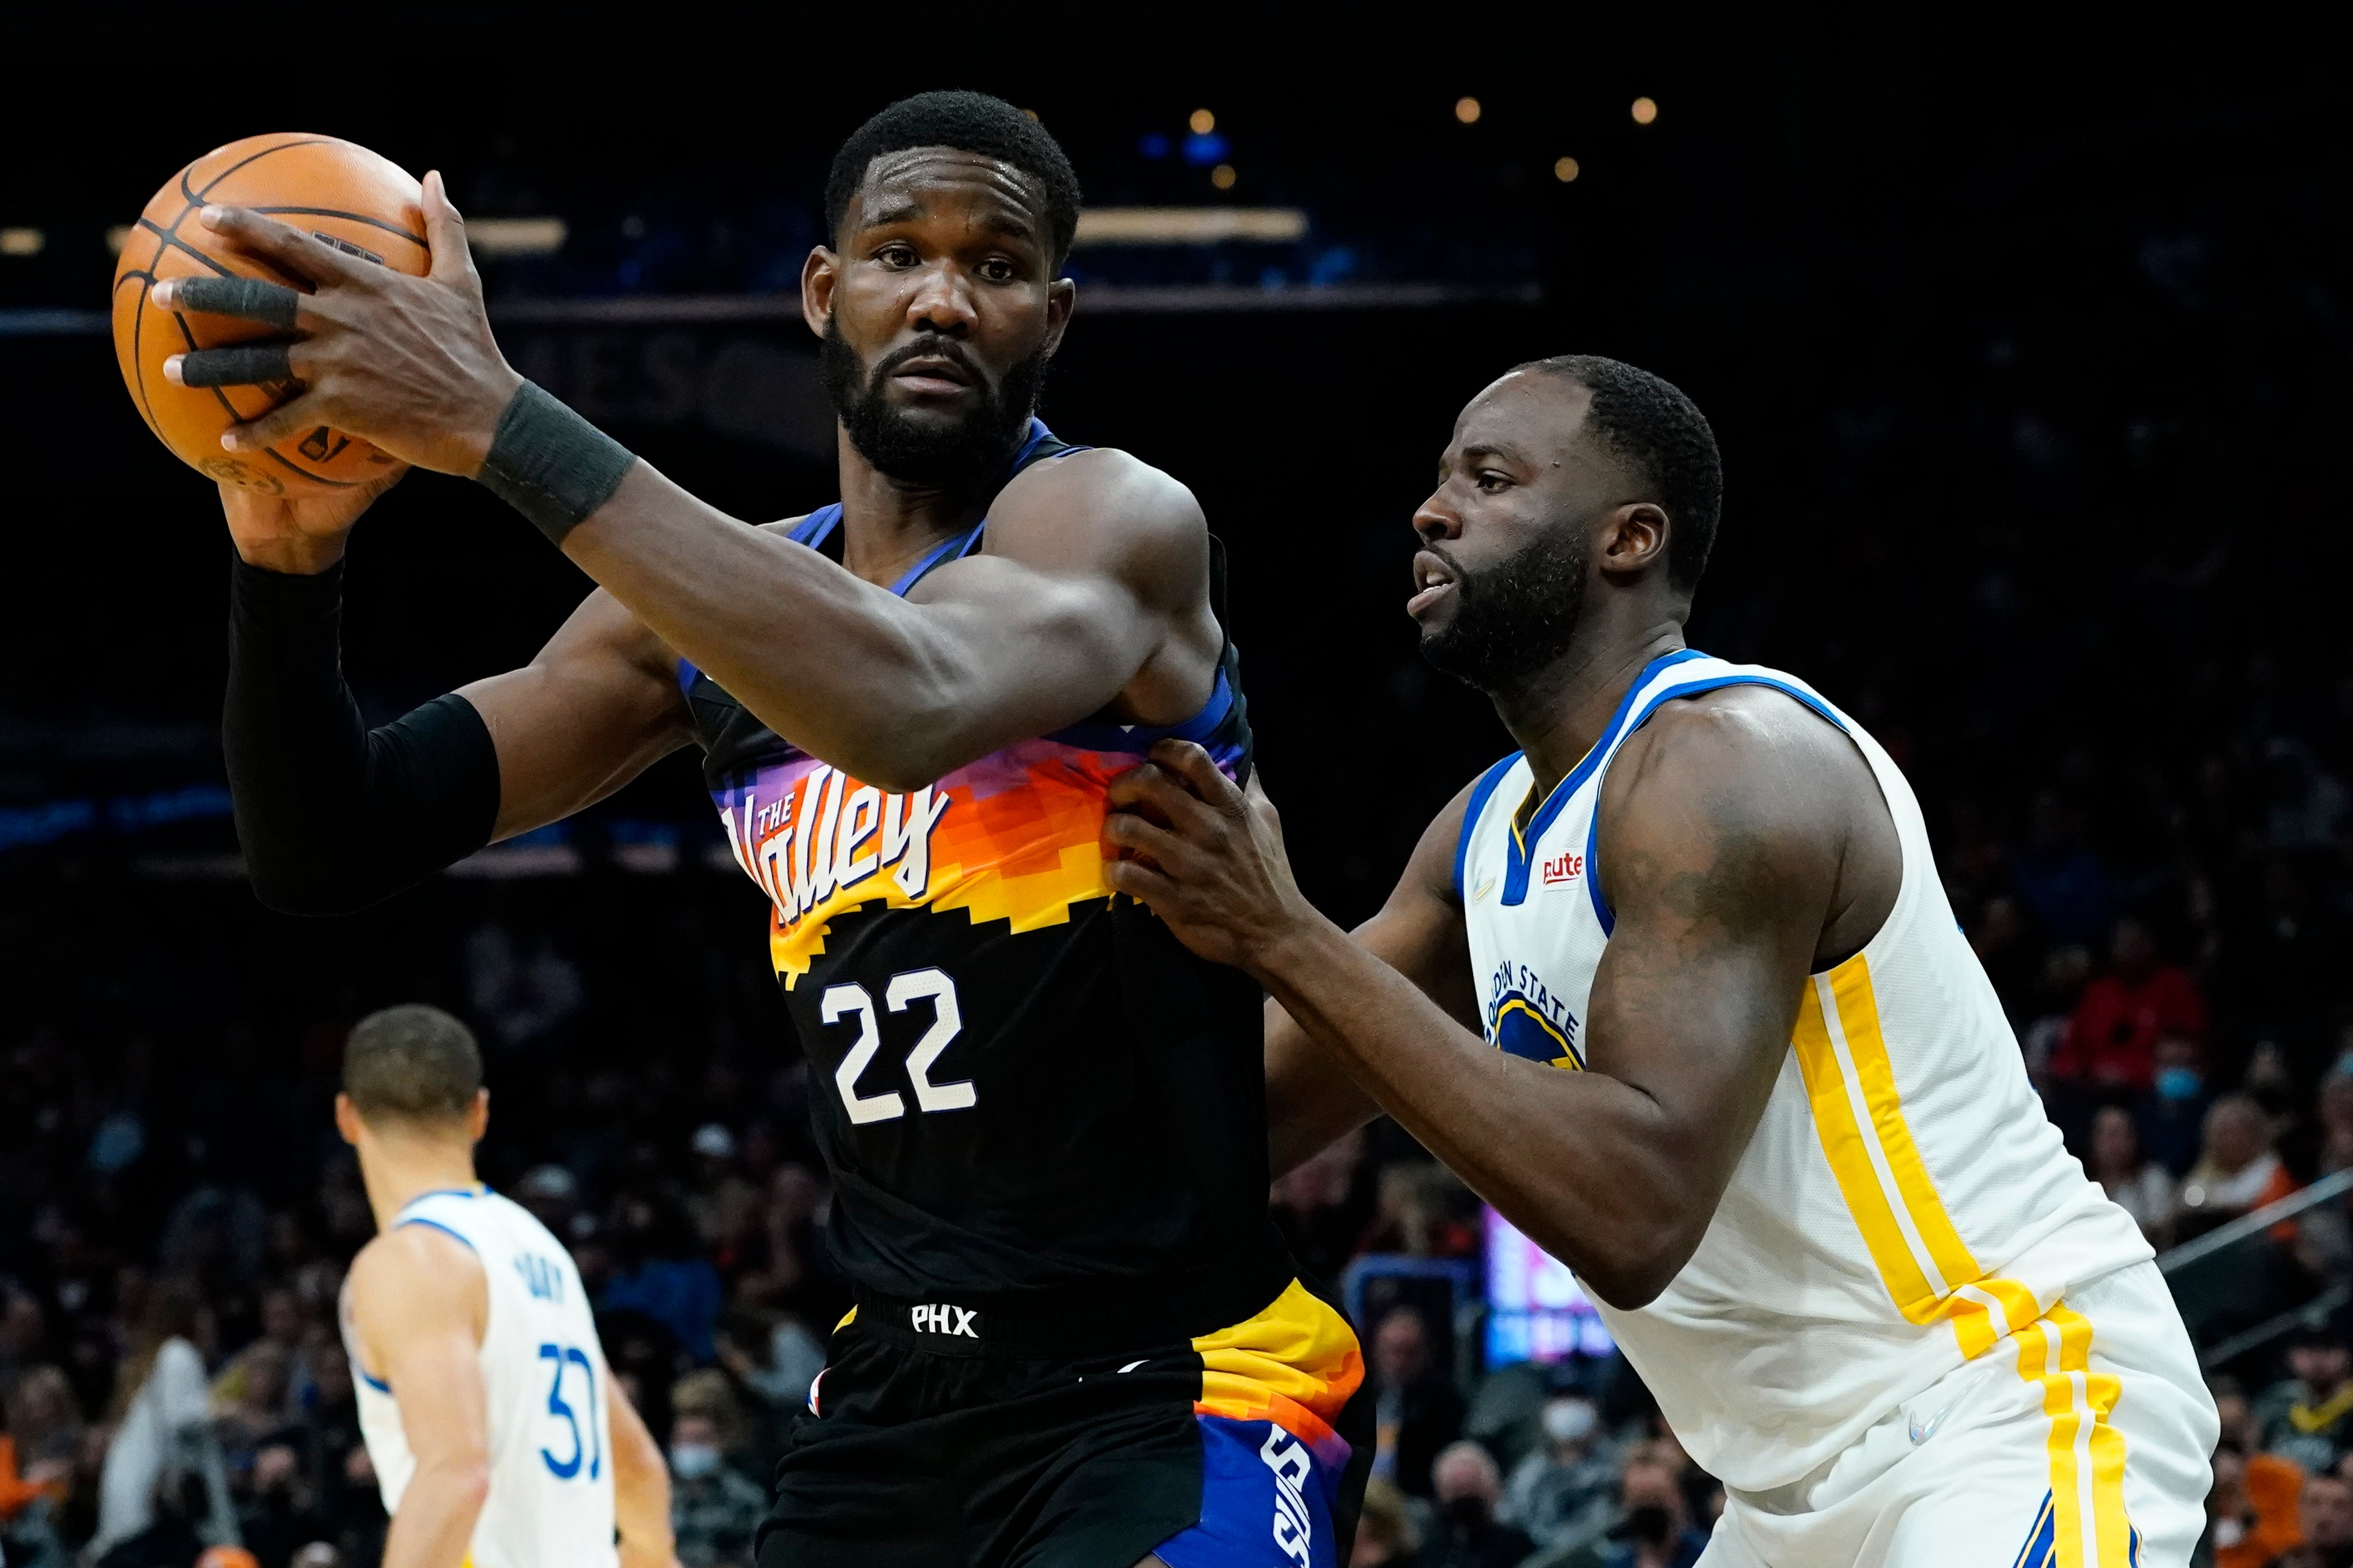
(2308, 1415)
(1561, 1494)
(1654, 1528)
(713, 1509)
(1467, 1487)
(2172, 1115)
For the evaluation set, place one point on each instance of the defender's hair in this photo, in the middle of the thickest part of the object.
(413, 1063)
(1659, 433)
(969, 123)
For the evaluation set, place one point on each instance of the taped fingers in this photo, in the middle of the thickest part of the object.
(249, 299)
(248, 365)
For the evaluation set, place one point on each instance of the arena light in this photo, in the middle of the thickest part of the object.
(504, 236)
(22, 241)
(1222, 176)
(117, 237)
(1645, 110)
(1202, 123)
(1466, 110)
(1190, 226)
(1565, 170)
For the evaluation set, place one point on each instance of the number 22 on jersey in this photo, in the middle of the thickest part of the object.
(842, 1002)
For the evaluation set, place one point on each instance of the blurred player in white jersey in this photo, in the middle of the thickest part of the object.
(496, 1429)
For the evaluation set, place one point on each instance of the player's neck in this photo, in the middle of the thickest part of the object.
(1558, 713)
(400, 1168)
(887, 524)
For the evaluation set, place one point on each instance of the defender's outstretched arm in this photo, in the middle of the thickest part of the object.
(420, 1304)
(1720, 859)
(1310, 1099)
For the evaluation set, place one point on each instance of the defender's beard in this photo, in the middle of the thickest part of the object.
(965, 454)
(1513, 618)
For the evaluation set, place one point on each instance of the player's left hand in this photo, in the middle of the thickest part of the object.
(407, 362)
(1205, 856)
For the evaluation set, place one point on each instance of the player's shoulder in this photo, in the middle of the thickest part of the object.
(1735, 726)
(1108, 482)
(1743, 759)
(415, 1248)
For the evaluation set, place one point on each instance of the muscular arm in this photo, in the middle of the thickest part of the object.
(640, 1485)
(1093, 561)
(420, 1304)
(1721, 853)
(1310, 1099)
(1095, 574)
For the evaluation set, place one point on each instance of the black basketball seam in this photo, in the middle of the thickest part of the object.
(198, 196)
(173, 241)
(220, 395)
(352, 217)
(138, 367)
(169, 237)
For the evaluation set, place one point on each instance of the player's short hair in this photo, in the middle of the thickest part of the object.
(412, 1063)
(1661, 435)
(969, 123)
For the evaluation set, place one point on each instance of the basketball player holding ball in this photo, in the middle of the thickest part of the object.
(1077, 1341)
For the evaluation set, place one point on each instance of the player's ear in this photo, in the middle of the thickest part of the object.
(347, 1120)
(1633, 538)
(478, 1115)
(1061, 298)
(818, 275)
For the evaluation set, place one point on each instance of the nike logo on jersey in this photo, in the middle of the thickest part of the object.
(945, 1319)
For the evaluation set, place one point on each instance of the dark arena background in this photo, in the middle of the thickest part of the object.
(2030, 354)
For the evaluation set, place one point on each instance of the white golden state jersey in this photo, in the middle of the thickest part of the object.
(1904, 1205)
(544, 1373)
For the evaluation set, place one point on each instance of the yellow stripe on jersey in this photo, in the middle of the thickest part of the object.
(1842, 1137)
(1960, 1291)
(2111, 1532)
(2072, 1391)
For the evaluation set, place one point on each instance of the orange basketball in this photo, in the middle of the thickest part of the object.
(361, 203)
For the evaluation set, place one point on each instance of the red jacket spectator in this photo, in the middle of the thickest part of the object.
(2111, 1039)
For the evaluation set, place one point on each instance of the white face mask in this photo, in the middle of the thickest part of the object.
(1568, 1420)
(693, 1461)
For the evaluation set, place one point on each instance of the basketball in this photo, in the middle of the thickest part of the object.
(361, 203)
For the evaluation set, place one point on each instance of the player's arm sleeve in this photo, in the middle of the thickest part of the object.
(333, 816)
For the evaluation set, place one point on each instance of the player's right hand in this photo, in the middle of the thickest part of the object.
(300, 535)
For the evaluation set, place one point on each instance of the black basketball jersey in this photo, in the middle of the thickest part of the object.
(1020, 1081)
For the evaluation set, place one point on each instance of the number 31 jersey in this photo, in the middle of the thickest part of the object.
(1018, 1081)
(544, 1380)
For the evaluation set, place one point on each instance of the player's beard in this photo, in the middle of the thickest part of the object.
(1516, 616)
(967, 454)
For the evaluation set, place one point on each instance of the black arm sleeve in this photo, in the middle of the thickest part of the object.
(335, 816)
